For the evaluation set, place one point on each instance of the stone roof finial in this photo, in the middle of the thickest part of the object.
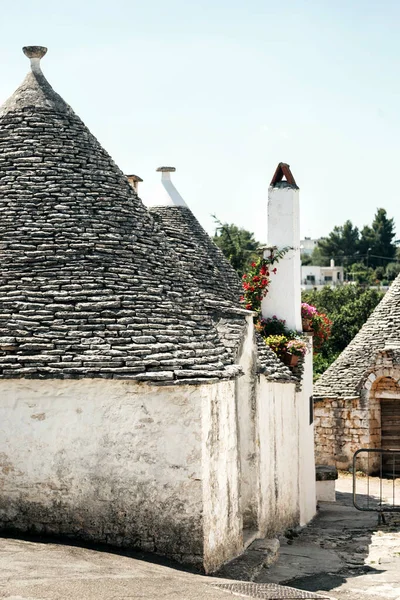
(166, 169)
(35, 53)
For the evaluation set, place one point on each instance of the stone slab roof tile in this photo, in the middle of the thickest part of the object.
(198, 254)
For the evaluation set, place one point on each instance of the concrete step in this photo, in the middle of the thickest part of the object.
(247, 566)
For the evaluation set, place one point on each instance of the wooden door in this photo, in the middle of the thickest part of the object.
(390, 432)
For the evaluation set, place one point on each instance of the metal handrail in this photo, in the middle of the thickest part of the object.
(380, 507)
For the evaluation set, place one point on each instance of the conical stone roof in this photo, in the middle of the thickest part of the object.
(89, 285)
(346, 376)
(213, 273)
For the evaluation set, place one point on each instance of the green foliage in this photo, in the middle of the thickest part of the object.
(306, 259)
(342, 243)
(392, 270)
(376, 242)
(238, 245)
(348, 306)
(346, 244)
(318, 258)
(360, 273)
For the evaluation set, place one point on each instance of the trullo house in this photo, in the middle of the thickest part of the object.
(357, 400)
(137, 406)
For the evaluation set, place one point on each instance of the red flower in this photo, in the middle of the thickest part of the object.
(248, 306)
(253, 264)
(263, 270)
(256, 278)
(274, 271)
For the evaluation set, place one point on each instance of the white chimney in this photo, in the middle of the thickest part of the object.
(332, 263)
(166, 194)
(284, 293)
(134, 180)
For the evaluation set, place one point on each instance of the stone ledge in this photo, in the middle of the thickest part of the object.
(326, 473)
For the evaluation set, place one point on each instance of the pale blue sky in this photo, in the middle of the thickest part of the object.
(223, 90)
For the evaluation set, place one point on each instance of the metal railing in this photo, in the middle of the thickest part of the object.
(368, 492)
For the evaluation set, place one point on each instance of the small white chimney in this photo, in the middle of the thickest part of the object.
(284, 293)
(163, 193)
(134, 180)
(332, 263)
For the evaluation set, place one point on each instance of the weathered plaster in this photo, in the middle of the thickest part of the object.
(222, 520)
(279, 457)
(112, 461)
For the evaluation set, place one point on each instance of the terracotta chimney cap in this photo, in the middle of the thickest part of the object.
(34, 51)
(166, 169)
(283, 170)
(134, 177)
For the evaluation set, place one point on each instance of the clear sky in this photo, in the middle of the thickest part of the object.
(225, 89)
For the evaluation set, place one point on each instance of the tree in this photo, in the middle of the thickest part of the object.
(306, 259)
(360, 273)
(392, 270)
(348, 306)
(342, 244)
(318, 259)
(376, 243)
(237, 244)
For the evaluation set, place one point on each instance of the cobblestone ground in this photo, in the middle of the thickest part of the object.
(344, 552)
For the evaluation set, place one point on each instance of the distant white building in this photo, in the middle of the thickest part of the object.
(307, 245)
(315, 277)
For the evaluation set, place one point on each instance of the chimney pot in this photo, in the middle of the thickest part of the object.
(134, 180)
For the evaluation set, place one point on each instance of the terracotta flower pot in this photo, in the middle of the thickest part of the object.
(307, 325)
(290, 360)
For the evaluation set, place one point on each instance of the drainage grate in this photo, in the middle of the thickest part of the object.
(268, 591)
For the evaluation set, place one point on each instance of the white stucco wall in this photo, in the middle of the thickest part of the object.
(284, 293)
(222, 519)
(307, 488)
(246, 400)
(279, 457)
(112, 461)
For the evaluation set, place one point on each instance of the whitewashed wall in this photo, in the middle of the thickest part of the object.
(246, 401)
(279, 457)
(114, 461)
(222, 519)
(307, 486)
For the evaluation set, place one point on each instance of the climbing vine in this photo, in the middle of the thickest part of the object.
(256, 281)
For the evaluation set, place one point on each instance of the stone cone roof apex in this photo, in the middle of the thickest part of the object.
(35, 90)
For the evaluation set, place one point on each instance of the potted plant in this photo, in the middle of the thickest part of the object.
(277, 343)
(294, 349)
(307, 314)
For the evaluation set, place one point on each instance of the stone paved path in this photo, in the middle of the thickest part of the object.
(343, 552)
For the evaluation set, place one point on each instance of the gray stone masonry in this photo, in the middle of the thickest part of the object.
(89, 284)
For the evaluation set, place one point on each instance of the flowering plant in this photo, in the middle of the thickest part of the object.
(282, 344)
(322, 327)
(256, 281)
(296, 347)
(277, 343)
(308, 311)
(271, 326)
